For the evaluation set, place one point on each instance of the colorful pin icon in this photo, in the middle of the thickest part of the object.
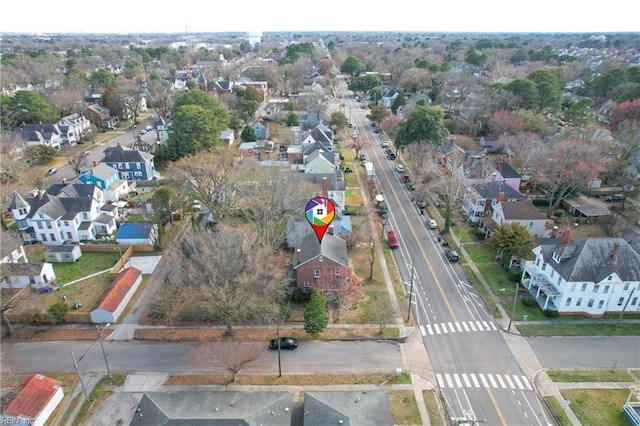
(319, 213)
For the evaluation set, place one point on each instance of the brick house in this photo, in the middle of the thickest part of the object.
(325, 264)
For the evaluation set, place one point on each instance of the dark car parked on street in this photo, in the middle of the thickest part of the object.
(285, 343)
(451, 255)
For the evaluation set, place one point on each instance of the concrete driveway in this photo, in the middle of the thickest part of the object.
(147, 264)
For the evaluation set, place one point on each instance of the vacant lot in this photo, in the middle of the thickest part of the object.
(89, 263)
(597, 407)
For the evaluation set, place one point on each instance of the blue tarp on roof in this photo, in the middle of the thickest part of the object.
(134, 231)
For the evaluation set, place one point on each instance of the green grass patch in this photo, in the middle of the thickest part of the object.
(465, 234)
(89, 263)
(599, 329)
(590, 376)
(479, 253)
(404, 408)
(486, 297)
(596, 407)
(431, 401)
(557, 411)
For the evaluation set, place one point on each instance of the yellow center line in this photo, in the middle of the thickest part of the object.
(424, 255)
(495, 404)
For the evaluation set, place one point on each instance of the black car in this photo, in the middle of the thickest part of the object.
(451, 255)
(615, 197)
(392, 156)
(285, 343)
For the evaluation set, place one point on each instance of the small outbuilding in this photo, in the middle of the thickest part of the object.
(137, 233)
(66, 253)
(113, 301)
(20, 275)
(35, 403)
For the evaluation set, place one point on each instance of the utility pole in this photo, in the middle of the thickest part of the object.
(410, 292)
(515, 303)
(104, 354)
(75, 364)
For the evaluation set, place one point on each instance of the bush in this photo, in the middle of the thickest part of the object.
(529, 302)
(514, 276)
(300, 295)
(559, 213)
(550, 313)
(286, 312)
(58, 311)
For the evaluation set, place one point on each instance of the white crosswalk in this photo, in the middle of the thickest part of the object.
(457, 327)
(472, 380)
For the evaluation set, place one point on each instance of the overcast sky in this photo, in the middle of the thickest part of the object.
(140, 16)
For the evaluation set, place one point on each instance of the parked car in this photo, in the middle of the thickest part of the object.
(615, 197)
(451, 255)
(52, 171)
(420, 203)
(143, 131)
(197, 205)
(393, 240)
(376, 130)
(148, 128)
(410, 186)
(348, 170)
(399, 168)
(432, 224)
(285, 343)
(384, 144)
(392, 156)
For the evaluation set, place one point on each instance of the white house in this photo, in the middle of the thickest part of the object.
(113, 301)
(35, 402)
(592, 276)
(522, 212)
(20, 275)
(11, 249)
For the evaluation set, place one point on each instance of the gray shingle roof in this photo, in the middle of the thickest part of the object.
(332, 247)
(17, 202)
(347, 408)
(124, 155)
(8, 243)
(590, 260)
(520, 210)
(491, 191)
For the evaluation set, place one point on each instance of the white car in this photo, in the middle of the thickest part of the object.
(197, 205)
(399, 168)
(52, 171)
(432, 224)
(148, 128)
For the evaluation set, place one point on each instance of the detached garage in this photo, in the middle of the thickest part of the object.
(56, 254)
(137, 233)
(115, 299)
(35, 402)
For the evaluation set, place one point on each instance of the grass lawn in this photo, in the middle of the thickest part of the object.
(290, 379)
(486, 297)
(97, 396)
(590, 376)
(404, 408)
(530, 330)
(465, 234)
(431, 401)
(557, 411)
(596, 407)
(479, 253)
(89, 263)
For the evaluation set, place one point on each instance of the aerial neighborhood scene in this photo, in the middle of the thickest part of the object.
(320, 227)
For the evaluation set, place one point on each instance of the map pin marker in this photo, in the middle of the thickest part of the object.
(319, 213)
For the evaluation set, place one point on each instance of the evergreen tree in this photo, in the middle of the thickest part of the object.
(315, 316)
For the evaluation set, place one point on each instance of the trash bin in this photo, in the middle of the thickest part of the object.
(525, 318)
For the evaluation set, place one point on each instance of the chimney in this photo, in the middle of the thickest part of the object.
(500, 196)
(554, 232)
(614, 251)
(500, 160)
(296, 260)
(40, 193)
(565, 236)
(527, 196)
(64, 181)
(325, 187)
(95, 163)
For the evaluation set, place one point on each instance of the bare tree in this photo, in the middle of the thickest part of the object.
(384, 312)
(161, 97)
(565, 167)
(335, 290)
(7, 305)
(161, 309)
(268, 199)
(231, 357)
(77, 162)
(521, 149)
(12, 162)
(230, 273)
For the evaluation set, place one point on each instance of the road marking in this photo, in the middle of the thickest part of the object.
(473, 327)
(435, 326)
(475, 381)
(457, 379)
(439, 379)
(464, 324)
(508, 379)
(424, 333)
(453, 330)
(493, 382)
(486, 326)
(448, 379)
(458, 326)
(479, 325)
(526, 383)
(499, 377)
(466, 380)
(484, 381)
(429, 328)
(515, 379)
(493, 326)
(495, 404)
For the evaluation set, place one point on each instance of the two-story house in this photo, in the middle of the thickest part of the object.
(261, 128)
(324, 265)
(592, 276)
(100, 116)
(78, 126)
(480, 199)
(106, 178)
(449, 155)
(40, 134)
(131, 164)
(320, 161)
(522, 212)
(55, 219)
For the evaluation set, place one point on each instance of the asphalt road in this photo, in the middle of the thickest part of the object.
(587, 352)
(333, 357)
(475, 369)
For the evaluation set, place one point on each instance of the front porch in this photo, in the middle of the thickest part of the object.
(541, 289)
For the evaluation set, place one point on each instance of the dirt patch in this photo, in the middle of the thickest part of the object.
(58, 334)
